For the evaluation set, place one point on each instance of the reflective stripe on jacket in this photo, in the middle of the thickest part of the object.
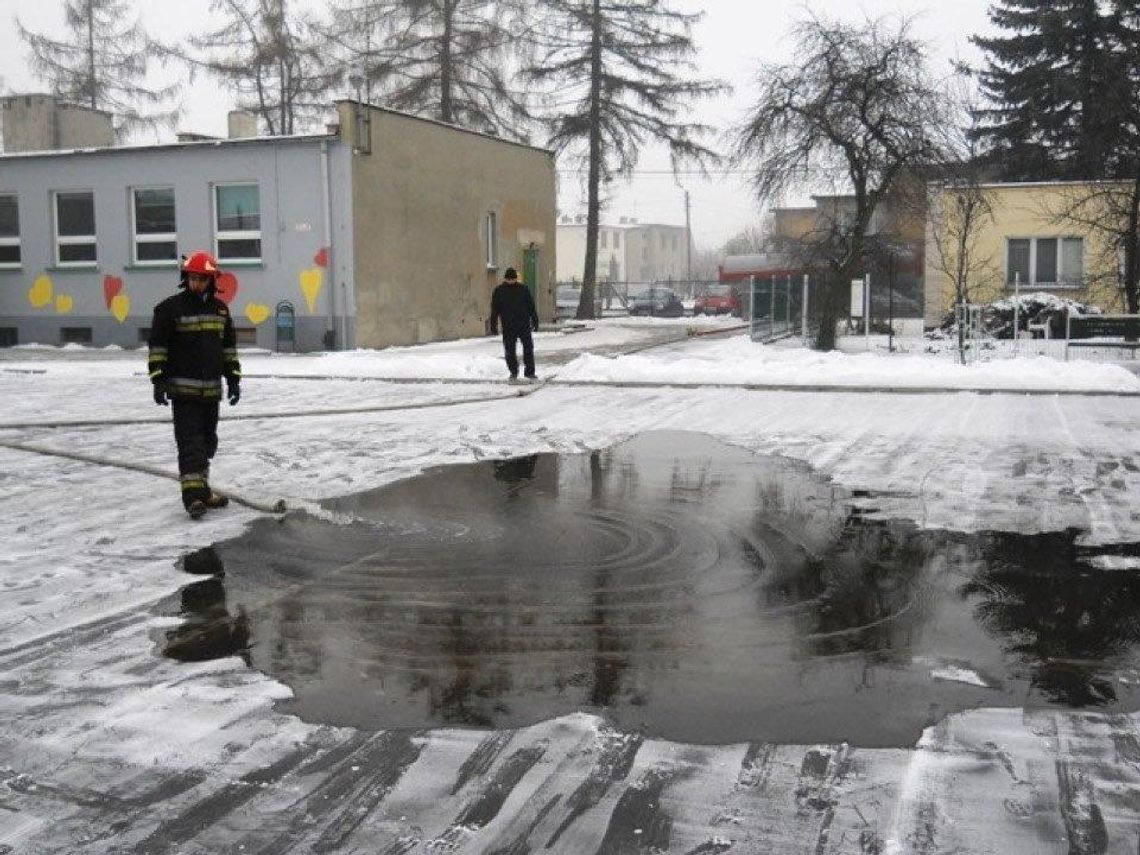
(192, 346)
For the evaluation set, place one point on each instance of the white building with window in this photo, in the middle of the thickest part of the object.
(629, 251)
(351, 238)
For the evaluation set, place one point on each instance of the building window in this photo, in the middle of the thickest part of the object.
(152, 221)
(1045, 262)
(75, 335)
(601, 239)
(237, 222)
(491, 236)
(9, 337)
(617, 240)
(75, 229)
(1072, 261)
(9, 232)
(245, 335)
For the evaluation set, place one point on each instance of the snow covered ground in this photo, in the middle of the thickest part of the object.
(106, 747)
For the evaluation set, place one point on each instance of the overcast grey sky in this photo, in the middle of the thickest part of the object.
(733, 38)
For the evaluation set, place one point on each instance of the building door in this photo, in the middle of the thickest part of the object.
(530, 271)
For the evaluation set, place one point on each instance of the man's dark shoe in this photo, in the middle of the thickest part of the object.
(216, 500)
(196, 509)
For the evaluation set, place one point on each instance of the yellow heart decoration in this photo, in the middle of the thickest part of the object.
(120, 307)
(311, 281)
(63, 303)
(40, 293)
(256, 312)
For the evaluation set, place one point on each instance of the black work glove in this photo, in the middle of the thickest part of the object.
(160, 395)
(233, 391)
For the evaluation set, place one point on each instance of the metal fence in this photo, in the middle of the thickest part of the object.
(776, 307)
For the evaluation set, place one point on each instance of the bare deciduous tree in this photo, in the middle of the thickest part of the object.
(854, 113)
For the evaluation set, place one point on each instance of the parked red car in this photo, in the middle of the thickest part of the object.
(717, 300)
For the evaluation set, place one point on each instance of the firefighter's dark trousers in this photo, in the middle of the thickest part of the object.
(510, 337)
(196, 433)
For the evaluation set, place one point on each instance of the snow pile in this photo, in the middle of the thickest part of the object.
(741, 361)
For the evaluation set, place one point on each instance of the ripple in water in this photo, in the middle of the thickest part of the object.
(673, 584)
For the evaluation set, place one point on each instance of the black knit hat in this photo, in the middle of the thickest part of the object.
(510, 273)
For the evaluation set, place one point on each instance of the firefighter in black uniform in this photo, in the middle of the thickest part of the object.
(192, 346)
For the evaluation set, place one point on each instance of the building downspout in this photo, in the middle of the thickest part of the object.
(326, 242)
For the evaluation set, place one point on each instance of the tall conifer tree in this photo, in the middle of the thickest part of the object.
(450, 60)
(621, 75)
(102, 64)
(268, 54)
(1047, 80)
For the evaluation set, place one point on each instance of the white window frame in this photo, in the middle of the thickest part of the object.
(73, 240)
(157, 237)
(1032, 282)
(237, 234)
(491, 239)
(13, 241)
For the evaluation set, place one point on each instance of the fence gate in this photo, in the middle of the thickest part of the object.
(774, 307)
(968, 317)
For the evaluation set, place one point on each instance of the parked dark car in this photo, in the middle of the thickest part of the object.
(659, 302)
(566, 298)
(717, 300)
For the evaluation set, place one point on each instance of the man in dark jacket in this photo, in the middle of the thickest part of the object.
(192, 346)
(512, 302)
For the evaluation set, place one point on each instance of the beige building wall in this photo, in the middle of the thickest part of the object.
(422, 193)
(1019, 211)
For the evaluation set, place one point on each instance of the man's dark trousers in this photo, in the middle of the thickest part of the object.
(196, 433)
(509, 338)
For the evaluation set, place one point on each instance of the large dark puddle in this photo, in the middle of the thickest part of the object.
(676, 585)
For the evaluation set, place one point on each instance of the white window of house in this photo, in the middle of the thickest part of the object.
(1017, 261)
(491, 237)
(1072, 261)
(617, 240)
(155, 237)
(74, 228)
(1046, 262)
(601, 239)
(237, 222)
(9, 231)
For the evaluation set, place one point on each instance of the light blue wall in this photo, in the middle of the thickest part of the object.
(293, 228)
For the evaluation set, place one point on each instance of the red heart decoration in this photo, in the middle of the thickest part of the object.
(112, 285)
(321, 259)
(226, 287)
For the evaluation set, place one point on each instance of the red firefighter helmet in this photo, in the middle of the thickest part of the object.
(202, 263)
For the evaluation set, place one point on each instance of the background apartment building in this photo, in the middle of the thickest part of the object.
(628, 252)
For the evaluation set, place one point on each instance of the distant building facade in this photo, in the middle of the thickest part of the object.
(354, 238)
(629, 251)
(43, 122)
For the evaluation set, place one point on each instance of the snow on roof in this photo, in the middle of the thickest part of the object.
(135, 148)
